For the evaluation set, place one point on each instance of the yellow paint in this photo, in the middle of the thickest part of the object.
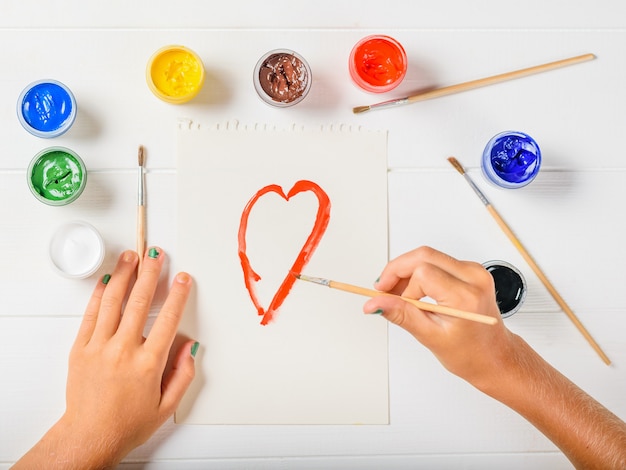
(175, 74)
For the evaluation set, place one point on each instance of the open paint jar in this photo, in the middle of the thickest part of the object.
(282, 78)
(511, 159)
(57, 176)
(510, 286)
(377, 63)
(46, 108)
(76, 250)
(175, 74)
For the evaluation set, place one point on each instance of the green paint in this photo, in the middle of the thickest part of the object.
(106, 278)
(194, 349)
(153, 253)
(57, 176)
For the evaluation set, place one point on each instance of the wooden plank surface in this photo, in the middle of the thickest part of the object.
(571, 218)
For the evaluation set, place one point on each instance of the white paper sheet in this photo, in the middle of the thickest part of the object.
(320, 360)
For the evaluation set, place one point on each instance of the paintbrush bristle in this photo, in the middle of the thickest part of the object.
(360, 109)
(455, 163)
(315, 280)
(140, 157)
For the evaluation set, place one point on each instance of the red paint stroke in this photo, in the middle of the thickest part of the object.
(321, 223)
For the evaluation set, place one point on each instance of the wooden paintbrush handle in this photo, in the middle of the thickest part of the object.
(427, 306)
(141, 232)
(449, 90)
(546, 282)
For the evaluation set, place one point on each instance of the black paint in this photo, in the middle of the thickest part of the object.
(509, 288)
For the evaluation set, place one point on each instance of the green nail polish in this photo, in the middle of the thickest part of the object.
(106, 278)
(153, 253)
(378, 312)
(194, 349)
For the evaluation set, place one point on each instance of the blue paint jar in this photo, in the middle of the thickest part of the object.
(46, 108)
(511, 159)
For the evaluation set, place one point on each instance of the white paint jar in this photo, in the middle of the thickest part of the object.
(76, 250)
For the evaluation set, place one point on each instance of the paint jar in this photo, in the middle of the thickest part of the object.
(282, 78)
(76, 250)
(510, 286)
(377, 63)
(511, 160)
(175, 74)
(57, 176)
(46, 108)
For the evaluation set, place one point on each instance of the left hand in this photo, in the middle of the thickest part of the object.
(118, 393)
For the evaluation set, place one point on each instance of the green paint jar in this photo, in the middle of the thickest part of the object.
(57, 176)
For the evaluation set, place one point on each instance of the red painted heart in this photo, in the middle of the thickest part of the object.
(321, 222)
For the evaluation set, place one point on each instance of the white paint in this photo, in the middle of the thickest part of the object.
(76, 250)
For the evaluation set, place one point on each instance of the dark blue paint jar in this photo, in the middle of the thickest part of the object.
(46, 108)
(511, 159)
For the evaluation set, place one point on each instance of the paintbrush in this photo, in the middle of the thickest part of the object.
(141, 206)
(531, 262)
(449, 90)
(427, 306)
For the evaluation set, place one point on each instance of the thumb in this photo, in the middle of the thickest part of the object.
(399, 312)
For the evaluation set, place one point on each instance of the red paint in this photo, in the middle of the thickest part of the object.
(378, 63)
(321, 222)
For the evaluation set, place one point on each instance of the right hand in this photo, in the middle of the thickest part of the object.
(471, 350)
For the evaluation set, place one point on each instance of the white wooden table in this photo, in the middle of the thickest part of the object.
(571, 218)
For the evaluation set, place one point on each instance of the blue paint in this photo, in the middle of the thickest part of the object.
(46, 108)
(511, 159)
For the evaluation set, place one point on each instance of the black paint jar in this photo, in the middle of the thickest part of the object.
(510, 286)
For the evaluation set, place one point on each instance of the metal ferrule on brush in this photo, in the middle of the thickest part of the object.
(390, 103)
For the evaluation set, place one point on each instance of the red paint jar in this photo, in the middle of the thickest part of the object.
(377, 63)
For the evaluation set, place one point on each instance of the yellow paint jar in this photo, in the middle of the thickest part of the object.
(175, 74)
